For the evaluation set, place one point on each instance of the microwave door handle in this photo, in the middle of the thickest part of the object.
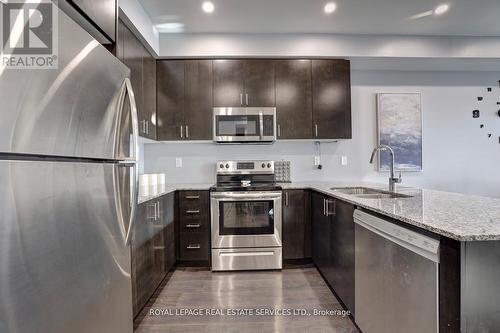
(261, 120)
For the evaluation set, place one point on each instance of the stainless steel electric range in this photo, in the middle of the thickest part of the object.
(246, 217)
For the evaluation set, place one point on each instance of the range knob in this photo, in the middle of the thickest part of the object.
(227, 166)
(263, 165)
(268, 165)
(221, 166)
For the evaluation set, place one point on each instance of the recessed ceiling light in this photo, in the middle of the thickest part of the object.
(170, 27)
(208, 7)
(330, 7)
(441, 9)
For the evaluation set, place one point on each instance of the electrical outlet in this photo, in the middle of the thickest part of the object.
(343, 160)
(317, 160)
(178, 162)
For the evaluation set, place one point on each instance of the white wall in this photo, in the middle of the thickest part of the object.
(458, 155)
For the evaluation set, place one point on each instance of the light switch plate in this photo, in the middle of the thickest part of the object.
(178, 162)
(317, 160)
(343, 160)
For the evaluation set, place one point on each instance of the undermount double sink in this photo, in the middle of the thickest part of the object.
(369, 193)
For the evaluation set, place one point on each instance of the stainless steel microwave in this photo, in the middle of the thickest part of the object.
(244, 124)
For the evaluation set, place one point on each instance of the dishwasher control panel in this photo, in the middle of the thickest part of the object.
(414, 241)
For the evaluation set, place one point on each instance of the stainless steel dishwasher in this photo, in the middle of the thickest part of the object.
(396, 278)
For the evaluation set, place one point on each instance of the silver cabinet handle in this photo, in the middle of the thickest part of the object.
(182, 131)
(187, 132)
(147, 126)
(328, 212)
(279, 130)
(192, 196)
(241, 99)
(193, 246)
(324, 207)
(286, 199)
(158, 208)
(246, 97)
(316, 130)
(197, 225)
(192, 211)
(153, 216)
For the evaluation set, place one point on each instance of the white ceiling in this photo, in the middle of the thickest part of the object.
(464, 18)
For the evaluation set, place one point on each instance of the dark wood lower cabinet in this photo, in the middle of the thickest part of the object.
(296, 224)
(153, 248)
(341, 259)
(143, 257)
(194, 227)
(320, 232)
(333, 244)
(168, 202)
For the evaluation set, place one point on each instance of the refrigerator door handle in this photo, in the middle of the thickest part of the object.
(132, 161)
(134, 191)
(134, 118)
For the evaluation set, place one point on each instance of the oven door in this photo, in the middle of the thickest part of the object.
(233, 125)
(246, 219)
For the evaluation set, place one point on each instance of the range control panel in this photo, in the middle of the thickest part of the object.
(250, 167)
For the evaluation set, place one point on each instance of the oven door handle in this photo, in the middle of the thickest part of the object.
(247, 196)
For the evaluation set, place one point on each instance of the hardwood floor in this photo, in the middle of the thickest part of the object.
(295, 288)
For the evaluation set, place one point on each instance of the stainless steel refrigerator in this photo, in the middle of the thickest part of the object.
(68, 191)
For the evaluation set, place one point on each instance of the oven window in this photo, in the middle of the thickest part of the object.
(246, 217)
(238, 126)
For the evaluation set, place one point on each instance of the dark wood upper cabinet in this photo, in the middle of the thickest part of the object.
(101, 14)
(243, 83)
(170, 99)
(132, 56)
(312, 97)
(142, 65)
(184, 93)
(294, 99)
(149, 91)
(228, 82)
(259, 83)
(331, 86)
(198, 99)
(296, 229)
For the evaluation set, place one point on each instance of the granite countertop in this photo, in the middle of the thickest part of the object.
(458, 216)
(147, 193)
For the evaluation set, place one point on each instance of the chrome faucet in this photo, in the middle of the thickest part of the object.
(392, 180)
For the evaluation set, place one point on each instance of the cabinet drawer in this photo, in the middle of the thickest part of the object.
(194, 224)
(193, 197)
(194, 246)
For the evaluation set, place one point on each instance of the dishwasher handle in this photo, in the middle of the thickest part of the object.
(420, 244)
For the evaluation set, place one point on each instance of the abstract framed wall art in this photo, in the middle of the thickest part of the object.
(400, 123)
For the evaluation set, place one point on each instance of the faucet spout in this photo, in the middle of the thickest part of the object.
(392, 180)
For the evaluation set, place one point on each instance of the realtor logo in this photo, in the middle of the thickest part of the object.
(28, 34)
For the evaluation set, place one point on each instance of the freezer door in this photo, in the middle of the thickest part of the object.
(64, 261)
(72, 111)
